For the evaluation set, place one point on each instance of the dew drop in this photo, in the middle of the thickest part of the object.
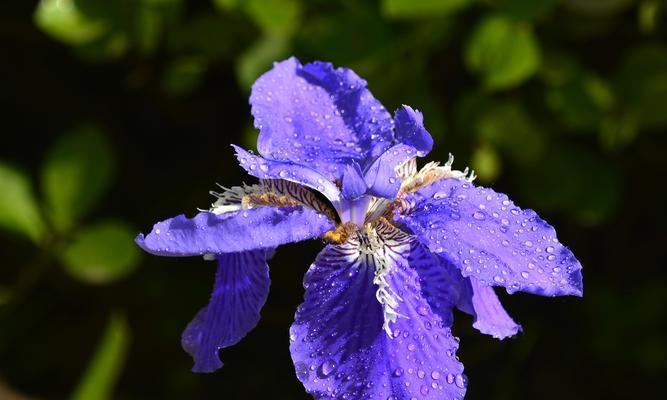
(422, 310)
(460, 381)
(326, 368)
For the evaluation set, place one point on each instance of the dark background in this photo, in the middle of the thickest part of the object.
(560, 104)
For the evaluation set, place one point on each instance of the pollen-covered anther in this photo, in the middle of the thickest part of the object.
(267, 199)
(340, 234)
(433, 172)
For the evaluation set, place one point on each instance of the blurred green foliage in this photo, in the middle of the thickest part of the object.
(77, 172)
(556, 102)
(107, 363)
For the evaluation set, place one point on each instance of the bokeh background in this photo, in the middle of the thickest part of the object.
(118, 113)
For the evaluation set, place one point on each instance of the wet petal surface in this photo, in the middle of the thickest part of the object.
(240, 290)
(486, 236)
(318, 116)
(490, 317)
(339, 346)
(289, 171)
(236, 231)
(445, 288)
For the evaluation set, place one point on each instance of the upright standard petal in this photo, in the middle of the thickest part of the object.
(236, 231)
(445, 288)
(240, 290)
(339, 344)
(353, 185)
(409, 129)
(318, 116)
(486, 236)
(289, 171)
(382, 177)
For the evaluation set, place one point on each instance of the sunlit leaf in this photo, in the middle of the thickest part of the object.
(421, 8)
(259, 58)
(63, 20)
(226, 5)
(508, 127)
(486, 163)
(19, 211)
(105, 367)
(275, 17)
(648, 14)
(505, 53)
(103, 253)
(77, 172)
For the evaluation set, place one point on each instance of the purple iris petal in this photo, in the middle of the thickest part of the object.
(442, 283)
(258, 228)
(318, 116)
(381, 176)
(353, 183)
(409, 129)
(240, 290)
(486, 236)
(338, 344)
(490, 317)
(445, 288)
(268, 169)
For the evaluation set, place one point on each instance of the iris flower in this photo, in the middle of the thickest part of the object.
(404, 246)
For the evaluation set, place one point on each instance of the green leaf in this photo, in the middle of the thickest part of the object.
(184, 75)
(63, 20)
(572, 180)
(77, 172)
(103, 253)
(486, 163)
(259, 57)
(421, 8)
(505, 53)
(275, 17)
(104, 369)
(19, 211)
(5, 295)
(526, 9)
(648, 15)
(580, 98)
(508, 127)
(226, 5)
(642, 84)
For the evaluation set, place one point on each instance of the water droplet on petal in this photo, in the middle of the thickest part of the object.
(326, 368)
